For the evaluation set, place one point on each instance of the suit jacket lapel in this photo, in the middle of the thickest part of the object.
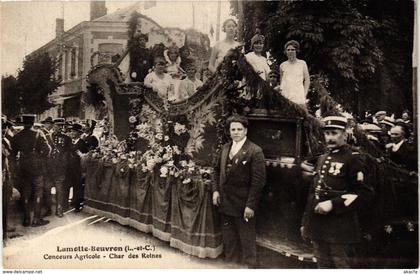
(243, 151)
(236, 161)
(225, 154)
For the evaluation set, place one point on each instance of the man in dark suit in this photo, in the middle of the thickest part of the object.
(239, 180)
(339, 189)
(74, 174)
(400, 151)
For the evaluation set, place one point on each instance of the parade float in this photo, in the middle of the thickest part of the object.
(154, 168)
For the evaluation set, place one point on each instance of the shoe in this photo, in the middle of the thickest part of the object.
(48, 213)
(40, 222)
(59, 212)
(78, 208)
(11, 229)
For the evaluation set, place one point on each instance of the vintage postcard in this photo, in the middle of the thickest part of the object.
(209, 134)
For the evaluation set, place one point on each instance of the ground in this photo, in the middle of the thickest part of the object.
(34, 247)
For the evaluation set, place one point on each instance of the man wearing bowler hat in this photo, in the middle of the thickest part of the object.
(339, 188)
(32, 147)
(74, 174)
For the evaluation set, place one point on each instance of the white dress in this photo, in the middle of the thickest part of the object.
(160, 85)
(292, 77)
(259, 63)
(222, 50)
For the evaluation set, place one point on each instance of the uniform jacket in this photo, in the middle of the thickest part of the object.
(242, 184)
(32, 147)
(60, 155)
(338, 172)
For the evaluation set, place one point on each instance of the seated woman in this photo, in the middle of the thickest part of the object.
(174, 60)
(294, 75)
(221, 48)
(160, 81)
(189, 85)
(255, 58)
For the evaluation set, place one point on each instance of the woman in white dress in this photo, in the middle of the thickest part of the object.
(160, 81)
(221, 48)
(255, 58)
(294, 75)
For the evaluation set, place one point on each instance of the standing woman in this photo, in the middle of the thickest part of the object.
(221, 48)
(294, 75)
(255, 58)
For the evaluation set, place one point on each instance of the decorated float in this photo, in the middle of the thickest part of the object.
(154, 168)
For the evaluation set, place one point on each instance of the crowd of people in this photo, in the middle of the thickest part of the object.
(38, 159)
(394, 137)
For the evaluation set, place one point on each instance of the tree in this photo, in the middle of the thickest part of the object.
(10, 104)
(362, 47)
(35, 81)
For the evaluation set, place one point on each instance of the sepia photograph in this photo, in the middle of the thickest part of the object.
(224, 134)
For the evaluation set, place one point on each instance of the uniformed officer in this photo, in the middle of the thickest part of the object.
(60, 157)
(32, 147)
(339, 189)
(47, 129)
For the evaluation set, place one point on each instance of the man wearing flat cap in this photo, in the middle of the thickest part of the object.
(338, 190)
(32, 147)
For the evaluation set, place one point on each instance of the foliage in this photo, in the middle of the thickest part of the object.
(362, 47)
(35, 81)
(9, 96)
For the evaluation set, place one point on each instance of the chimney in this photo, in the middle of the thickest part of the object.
(97, 9)
(59, 27)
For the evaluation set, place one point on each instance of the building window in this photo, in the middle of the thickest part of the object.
(73, 64)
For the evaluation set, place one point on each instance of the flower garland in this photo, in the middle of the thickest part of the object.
(165, 151)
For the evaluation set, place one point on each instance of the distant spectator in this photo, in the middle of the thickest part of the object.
(189, 85)
(174, 61)
(273, 80)
(379, 116)
(400, 151)
(406, 116)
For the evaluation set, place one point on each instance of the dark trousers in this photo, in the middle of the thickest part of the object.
(33, 187)
(239, 240)
(7, 190)
(60, 191)
(46, 197)
(331, 255)
(74, 179)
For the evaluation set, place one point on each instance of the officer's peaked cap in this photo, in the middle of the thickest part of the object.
(335, 122)
(59, 121)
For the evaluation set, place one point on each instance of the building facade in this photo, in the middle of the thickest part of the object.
(100, 40)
